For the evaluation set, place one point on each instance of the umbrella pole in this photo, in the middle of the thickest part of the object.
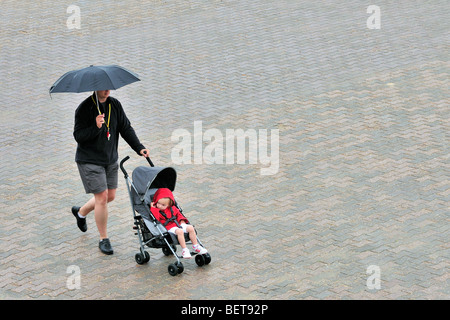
(96, 98)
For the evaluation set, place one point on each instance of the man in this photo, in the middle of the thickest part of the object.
(98, 121)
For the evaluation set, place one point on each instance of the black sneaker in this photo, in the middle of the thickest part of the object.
(81, 222)
(105, 246)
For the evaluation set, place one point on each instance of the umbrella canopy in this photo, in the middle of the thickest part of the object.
(94, 78)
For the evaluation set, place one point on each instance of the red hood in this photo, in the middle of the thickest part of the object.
(163, 193)
(163, 216)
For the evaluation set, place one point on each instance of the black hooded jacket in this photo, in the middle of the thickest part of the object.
(93, 144)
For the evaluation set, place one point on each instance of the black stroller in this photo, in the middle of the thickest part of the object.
(151, 233)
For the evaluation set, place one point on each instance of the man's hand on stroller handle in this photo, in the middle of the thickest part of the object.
(145, 152)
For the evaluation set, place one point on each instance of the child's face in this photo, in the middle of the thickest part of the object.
(163, 203)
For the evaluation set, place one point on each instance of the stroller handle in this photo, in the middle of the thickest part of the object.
(122, 168)
(128, 157)
(149, 160)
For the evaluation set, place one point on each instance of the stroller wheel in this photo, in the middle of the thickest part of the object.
(167, 251)
(179, 266)
(173, 269)
(147, 256)
(142, 258)
(200, 260)
(207, 258)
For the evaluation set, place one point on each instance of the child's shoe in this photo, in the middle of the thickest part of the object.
(199, 249)
(186, 254)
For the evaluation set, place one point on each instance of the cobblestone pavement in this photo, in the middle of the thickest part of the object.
(361, 194)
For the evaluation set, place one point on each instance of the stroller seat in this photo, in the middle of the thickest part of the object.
(158, 231)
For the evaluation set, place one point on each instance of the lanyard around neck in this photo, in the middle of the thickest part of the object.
(109, 113)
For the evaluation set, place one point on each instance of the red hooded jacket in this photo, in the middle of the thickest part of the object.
(159, 215)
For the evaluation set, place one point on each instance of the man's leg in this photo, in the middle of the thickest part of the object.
(99, 205)
(101, 218)
(88, 207)
(101, 213)
(95, 178)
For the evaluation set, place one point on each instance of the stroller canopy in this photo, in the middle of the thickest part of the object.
(145, 178)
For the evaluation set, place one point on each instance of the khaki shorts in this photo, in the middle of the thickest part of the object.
(97, 178)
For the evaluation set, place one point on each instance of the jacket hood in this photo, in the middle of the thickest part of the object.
(163, 193)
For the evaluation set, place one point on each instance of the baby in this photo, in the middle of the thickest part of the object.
(164, 210)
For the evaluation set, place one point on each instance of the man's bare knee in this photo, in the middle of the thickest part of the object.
(111, 197)
(101, 198)
(111, 194)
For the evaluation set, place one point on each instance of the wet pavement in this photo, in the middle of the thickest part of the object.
(343, 194)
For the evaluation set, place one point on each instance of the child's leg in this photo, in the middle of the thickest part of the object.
(197, 248)
(180, 235)
(185, 251)
(191, 231)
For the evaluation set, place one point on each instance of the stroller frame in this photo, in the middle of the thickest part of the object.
(150, 231)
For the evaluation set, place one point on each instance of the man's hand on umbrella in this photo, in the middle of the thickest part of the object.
(145, 152)
(100, 120)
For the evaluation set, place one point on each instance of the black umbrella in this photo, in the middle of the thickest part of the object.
(94, 78)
